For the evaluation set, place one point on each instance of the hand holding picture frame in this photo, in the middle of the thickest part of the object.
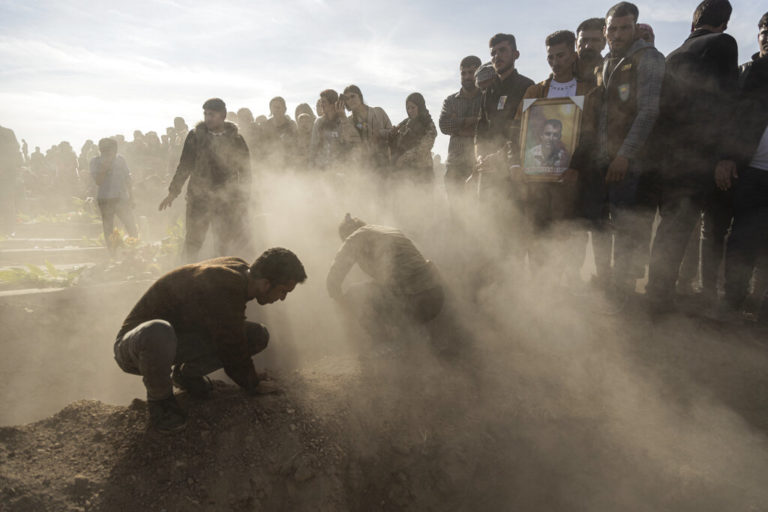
(550, 132)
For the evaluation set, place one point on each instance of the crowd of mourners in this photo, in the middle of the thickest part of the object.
(670, 169)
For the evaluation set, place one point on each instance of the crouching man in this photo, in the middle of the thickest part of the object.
(191, 322)
(404, 286)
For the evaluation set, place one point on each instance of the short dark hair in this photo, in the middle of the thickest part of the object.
(278, 266)
(763, 21)
(622, 9)
(553, 122)
(354, 89)
(330, 96)
(215, 104)
(500, 38)
(565, 37)
(713, 13)
(278, 99)
(107, 145)
(591, 24)
(471, 61)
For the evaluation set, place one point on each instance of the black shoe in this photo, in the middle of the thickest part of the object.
(197, 387)
(166, 415)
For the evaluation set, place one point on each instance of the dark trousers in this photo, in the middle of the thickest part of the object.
(683, 201)
(230, 227)
(153, 347)
(455, 178)
(748, 235)
(122, 208)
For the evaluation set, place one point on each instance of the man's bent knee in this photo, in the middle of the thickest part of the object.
(258, 337)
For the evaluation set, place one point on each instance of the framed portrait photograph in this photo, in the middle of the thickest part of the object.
(550, 131)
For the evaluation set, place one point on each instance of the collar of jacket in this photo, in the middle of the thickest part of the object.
(635, 47)
(699, 32)
(229, 128)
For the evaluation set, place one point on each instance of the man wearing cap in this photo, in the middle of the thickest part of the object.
(215, 158)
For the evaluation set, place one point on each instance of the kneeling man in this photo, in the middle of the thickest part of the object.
(404, 286)
(191, 322)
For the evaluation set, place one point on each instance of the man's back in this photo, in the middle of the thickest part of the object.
(700, 85)
(194, 297)
(388, 256)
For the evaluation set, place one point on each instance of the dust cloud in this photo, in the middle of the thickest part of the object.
(522, 395)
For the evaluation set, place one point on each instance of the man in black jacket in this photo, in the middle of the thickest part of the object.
(494, 131)
(698, 98)
(753, 74)
(748, 176)
(216, 160)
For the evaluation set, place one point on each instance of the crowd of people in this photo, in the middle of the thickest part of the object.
(670, 160)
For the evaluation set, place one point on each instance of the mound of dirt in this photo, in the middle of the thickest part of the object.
(237, 453)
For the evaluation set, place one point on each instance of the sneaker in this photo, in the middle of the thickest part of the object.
(197, 387)
(166, 416)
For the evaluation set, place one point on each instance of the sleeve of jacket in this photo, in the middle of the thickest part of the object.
(482, 127)
(728, 103)
(227, 325)
(314, 141)
(585, 147)
(386, 124)
(244, 163)
(650, 75)
(449, 118)
(516, 132)
(186, 164)
(342, 264)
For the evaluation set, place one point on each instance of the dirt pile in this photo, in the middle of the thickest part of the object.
(237, 453)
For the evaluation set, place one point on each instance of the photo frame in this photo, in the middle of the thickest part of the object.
(550, 132)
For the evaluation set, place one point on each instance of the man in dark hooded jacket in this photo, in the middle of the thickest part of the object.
(216, 160)
(700, 87)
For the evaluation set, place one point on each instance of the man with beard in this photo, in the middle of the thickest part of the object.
(590, 43)
(697, 102)
(191, 322)
(458, 119)
(279, 136)
(631, 75)
(215, 158)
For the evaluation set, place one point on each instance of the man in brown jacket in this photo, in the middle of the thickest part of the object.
(193, 320)
(549, 203)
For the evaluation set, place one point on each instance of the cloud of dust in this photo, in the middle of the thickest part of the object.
(548, 404)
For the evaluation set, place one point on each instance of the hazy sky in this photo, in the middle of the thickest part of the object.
(80, 69)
